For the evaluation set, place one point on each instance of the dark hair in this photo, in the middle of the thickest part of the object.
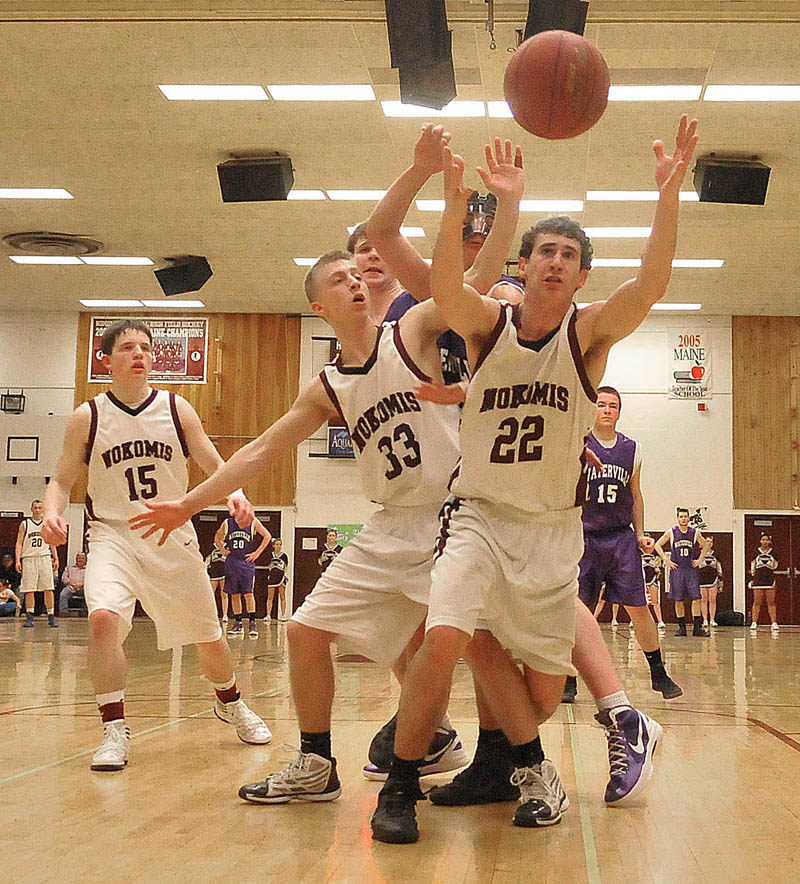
(564, 226)
(682, 509)
(35, 501)
(309, 283)
(360, 232)
(764, 534)
(117, 328)
(613, 391)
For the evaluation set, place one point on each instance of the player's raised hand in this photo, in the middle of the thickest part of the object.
(455, 193)
(241, 509)
(428, 149)
(441, 394)
(164, 517)
(54, 531)
(503, 173)
(671, 169)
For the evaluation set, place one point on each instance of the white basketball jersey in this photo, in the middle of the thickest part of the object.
(405, 449)
(33, 545)
(134, 455)
(523, 427)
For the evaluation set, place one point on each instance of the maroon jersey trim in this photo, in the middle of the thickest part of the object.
(90, 508)
(334, 399)
(173, 407)
(577, 356)
(92, 429)
(404, 355)
(126, 408)
(502, 319)
(359, 369)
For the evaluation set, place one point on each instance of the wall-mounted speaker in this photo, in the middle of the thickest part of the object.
(256, 179)
(719, 180)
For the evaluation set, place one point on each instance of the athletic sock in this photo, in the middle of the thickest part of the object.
(527, 754)
(238, 617)
(682, 622)
(491, 741)
(611, 701)
(111, 706)
(316, 743)
(446, 723)
(404, 772)
(227, 692)
(654, 660)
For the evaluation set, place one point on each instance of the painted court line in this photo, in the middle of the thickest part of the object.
(589, 847)
(274, 692)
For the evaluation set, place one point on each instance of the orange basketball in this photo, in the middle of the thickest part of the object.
(556, 84)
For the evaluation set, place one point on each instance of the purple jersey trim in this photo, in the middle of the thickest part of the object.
(173, 407)
(404, 355)
(92, 429)
(126, 408)
(502, 319)
(577, 356)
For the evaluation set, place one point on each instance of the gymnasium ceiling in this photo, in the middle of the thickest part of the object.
(82, 111)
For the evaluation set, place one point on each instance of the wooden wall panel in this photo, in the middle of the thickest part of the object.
(253, 373)
(765, 421)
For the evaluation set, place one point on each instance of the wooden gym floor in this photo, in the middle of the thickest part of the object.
(724, 805)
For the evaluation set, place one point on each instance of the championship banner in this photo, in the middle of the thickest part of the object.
(690, 365)
(180, 349)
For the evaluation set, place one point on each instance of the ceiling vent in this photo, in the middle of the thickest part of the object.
(45, 242)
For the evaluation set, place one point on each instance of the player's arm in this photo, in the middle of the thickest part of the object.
(468, 313)
(637, 511)
(310, 410)
(504, 178)
(624, 311)
(69, 468)
(53, 554)
(265, 539)
(703, 544)
(666, 537)
(220, 535)
(18, 545)
(383, 225)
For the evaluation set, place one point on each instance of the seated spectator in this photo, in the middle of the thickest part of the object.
(72, 579)
(9, 600)
(9, 573)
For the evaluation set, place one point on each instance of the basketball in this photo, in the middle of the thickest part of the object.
(556, 85)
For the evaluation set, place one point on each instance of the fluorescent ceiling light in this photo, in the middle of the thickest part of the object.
(752, 93)
(699, 262)
(44, 259)
(551, 205)
(120, 262)
(173, 303)
(616, 262)
(356, 194)
(34, 193)
(654, 93)
(430, 205)
(213, 93)
(499, 109)
(617, 232)
(662, 306)
(105, 302)
(305, 262)
(454, 109)
(322, 93)
(685, 196)
(306, 195)
(406, 231)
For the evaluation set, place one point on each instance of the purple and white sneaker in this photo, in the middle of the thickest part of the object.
(632, 740)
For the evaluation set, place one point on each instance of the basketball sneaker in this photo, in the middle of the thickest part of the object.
(224, 618)
(309, 777)
(632, 741)
(753, 626)
(250, 728)
(775, 627)
(395, 818)
(253, 629)
(570, 689)
(485, 781)
(113, 752)
(237, 630)
(52, 622)
(542, 798)
(660, 681)
(445, 753)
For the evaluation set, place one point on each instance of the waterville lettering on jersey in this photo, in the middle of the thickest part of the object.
(526, 394)
(387, 408)
(136, 448)
(609, 471)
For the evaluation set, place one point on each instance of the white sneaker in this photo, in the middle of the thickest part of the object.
(309, 777)
(224, 618)
(113, 752)
(250, 728)
(661, 624)
(705, 624)
(775, 627)
(614, 624)
(267, 619)
(753, 626)
(542, 799)
(714, 623)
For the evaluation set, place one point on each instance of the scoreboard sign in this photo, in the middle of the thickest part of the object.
(180, 349)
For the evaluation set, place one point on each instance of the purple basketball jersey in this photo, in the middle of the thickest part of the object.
(240, 541)
(682, 548)
(609, 501)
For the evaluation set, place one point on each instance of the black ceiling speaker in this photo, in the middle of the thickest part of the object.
(429, 85)
(556, 15)
(720, 180)
(186, 273)
(256, 179)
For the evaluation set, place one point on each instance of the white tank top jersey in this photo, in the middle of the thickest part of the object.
(527, 415)
(32, 544)
(134, 455)
(405, 449)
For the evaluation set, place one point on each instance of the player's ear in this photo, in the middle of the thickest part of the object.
(584, 275)
(318, 308)
(522, 265)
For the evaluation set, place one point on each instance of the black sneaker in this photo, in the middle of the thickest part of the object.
(660, 681)
(445, 753)
(485, 781)
(700, 630)
(381, 748)
(395, 818)
(570, 689)
(681, 629)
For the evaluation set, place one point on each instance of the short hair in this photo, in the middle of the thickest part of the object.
(682, 509)
(35, 501)
(309, 283)
(360, 232)
(117, 328)
(276, 540)
(4, 581)
(564, 226)
(613, 391)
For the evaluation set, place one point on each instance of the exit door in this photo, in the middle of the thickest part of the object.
(785, 532)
